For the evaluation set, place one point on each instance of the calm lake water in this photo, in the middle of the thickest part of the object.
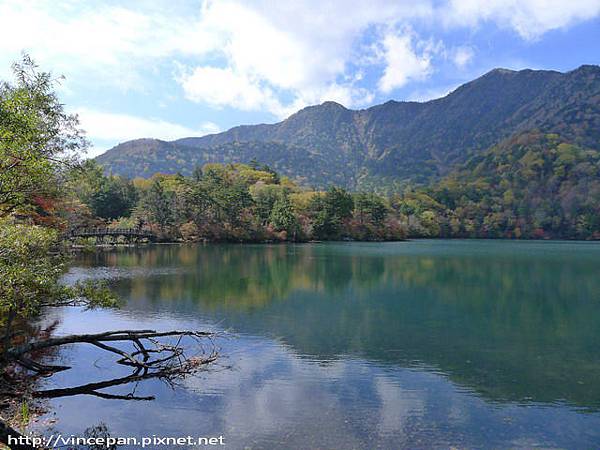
(423, 344)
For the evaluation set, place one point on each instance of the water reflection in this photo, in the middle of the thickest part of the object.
(515, 321)
(422, 344)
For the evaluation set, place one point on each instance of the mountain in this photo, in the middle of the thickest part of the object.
(399, 142)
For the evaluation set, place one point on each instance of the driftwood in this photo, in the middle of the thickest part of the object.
(152, 357)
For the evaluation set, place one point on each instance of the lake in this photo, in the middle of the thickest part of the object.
(421, 344)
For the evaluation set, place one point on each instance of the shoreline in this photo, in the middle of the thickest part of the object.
(78, 248)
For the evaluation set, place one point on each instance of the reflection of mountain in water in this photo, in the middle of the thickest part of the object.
(514, 321)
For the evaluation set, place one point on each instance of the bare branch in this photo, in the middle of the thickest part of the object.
(121, 335)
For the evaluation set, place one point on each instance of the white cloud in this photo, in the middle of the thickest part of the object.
(299, 44)
(111, 44)
(461, 56)
(225, 87)
(260, 54)
(295, 51)
(111, 128)
(402, 62)
(306, 51)
(529, 18)
(208, 128)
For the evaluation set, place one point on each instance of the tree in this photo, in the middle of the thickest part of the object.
(108, 197)
(338, 203)
(114, 198)
(37, 137)
(158, 205)
(370, 208)
(324, 226)
(30, 273)
(228, 193)
(194, 202)
(282, 216)
(84, 180)
(232, 200)
(265, 196)
(330, 211)
(38, 140)
(89, 195)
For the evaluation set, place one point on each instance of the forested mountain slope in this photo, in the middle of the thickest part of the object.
(531, 185)
(393, 143)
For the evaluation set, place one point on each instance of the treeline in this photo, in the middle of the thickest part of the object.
(531, 186)
(233, 202)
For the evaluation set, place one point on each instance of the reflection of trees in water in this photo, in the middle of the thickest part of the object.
(513, 328)
(249, 276)
(241, 277)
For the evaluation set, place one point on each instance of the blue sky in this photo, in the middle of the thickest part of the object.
(171, 69)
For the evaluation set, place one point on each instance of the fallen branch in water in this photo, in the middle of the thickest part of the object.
(150, 354)
(109, 336)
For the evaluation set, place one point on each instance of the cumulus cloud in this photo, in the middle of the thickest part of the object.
(305, 51)
(226, 87)
(403, 62)
(529, 18)
(278, 51)
(281, 51)
(289, 44)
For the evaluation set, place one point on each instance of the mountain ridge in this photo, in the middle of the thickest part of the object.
(408, 142)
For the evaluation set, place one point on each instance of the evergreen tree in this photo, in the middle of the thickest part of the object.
(282, 216)
(158, 205)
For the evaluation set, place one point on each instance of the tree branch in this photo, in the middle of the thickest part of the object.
(121, 335)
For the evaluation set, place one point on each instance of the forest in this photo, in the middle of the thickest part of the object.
(533, 186)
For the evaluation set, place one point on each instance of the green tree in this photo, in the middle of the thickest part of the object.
(282, 216)
(330, 211)
(194, 202)
(338, 203)
(370, 208)
(157, 203)
(84, 180)
(114, 198)
(38, 141)
(30, 269)
(37, 137)
(264, 197)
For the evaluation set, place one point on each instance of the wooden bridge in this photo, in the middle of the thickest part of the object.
(112, 235)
